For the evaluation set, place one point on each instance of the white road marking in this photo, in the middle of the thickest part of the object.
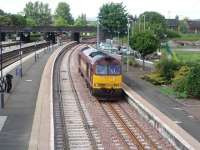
(190, 116)
(178, 122)
(177, 108)
(28, 80)
(2, 121)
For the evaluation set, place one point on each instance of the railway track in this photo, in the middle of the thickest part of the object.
(131, 132)
(60, 136)
(9, 44)
(13, 56)
(115, 122)
(73, 130)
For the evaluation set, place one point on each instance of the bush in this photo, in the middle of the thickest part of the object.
(155, 78)
(167, 68)
(179, 82)
(193, 81)
(172, 34)
(132, 62)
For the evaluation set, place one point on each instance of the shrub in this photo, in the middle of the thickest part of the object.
(193, 81)
(132, 62)
(167, 68)
(155, 78)
(179, 82)
(172, 34)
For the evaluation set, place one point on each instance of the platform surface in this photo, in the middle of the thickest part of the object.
(17, 116)
(23, 45)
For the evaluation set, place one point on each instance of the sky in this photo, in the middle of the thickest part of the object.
(168, 8)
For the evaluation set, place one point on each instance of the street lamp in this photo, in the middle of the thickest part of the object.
(118, 37)
(98, 33)
(2, 79)
(139, 24)
(144, 21)
(20, 55)
(128, 25)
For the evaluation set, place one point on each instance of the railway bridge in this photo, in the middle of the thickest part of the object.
(50, 31)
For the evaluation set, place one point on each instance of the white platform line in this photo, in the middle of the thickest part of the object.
(2, 121)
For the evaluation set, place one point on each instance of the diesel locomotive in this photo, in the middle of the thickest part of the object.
(102, 72)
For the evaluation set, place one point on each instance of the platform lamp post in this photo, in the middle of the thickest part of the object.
(98, 33)
(20, 56)
(118, 37)
(128, 25)
(1, 86)
(35, 51)
(144, 21)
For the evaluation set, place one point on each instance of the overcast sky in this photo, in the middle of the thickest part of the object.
(169, 8)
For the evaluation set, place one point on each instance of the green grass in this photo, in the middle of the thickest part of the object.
(189, 37)
(185, 56)
(171, 92)
(188, 56)
(167, 91)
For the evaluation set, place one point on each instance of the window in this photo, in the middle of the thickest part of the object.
(114, 69)
(101, 69)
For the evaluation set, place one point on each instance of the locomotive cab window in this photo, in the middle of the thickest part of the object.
(101, 69)
(114, 69)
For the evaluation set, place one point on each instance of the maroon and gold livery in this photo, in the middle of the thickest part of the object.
(101, 71)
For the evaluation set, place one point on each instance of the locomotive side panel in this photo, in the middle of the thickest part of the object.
(85, 69)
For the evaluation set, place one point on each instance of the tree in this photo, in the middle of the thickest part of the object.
(5, 21)
(183, 26)
(62, 14)
(30, 22)
(153, 19)
(12, 20)
(39, 12)
(1, 12)
(81, 20)
(18, 20)
(113, 17)
(59, 21)
(156, 23)
(144, 42)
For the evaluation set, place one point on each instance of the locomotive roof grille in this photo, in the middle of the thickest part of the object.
(93, 54)
(85, 48)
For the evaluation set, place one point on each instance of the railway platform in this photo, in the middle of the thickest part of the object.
(176, 111)
(16, 47)
(17, 116)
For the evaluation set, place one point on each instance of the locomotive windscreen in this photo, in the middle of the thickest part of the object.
(101, 69)
(108, 69)
(114, 69)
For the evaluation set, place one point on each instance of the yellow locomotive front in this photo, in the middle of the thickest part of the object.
(107, 79)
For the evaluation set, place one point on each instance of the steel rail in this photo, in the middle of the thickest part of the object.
(59, 117)
(126, 128)
(13, 56)
(87, 127)
(123, 140)
(153, 145)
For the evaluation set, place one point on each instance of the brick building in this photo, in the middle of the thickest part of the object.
(173, 24)
(193, 26)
